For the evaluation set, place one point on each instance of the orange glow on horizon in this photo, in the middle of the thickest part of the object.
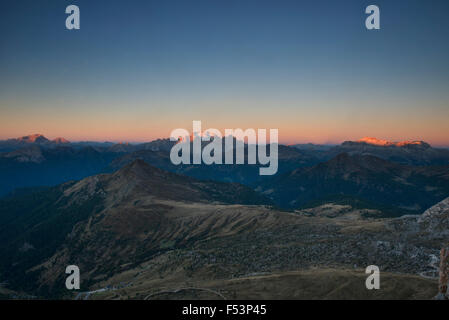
(307, 125)
(289, 140)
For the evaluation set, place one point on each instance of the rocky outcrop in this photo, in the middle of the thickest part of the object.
(405, 152)
(435, 220)
(431, 226)
(428, 230)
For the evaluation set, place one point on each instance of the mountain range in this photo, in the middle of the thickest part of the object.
(142, 231)
(364, 178)
(405, 152)
(401, 177)
(41, 166)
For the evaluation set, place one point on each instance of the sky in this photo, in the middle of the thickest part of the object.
(136, 70)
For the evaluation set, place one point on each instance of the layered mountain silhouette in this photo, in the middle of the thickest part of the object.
(37, 161)
(405, 152)
(129, 205)
(289, 158)
(36, 165)
(361, 177)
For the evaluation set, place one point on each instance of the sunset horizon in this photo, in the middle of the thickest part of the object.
(288, 143)
(274, 67)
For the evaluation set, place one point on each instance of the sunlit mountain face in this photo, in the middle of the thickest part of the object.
(267, 66)
(384, 143)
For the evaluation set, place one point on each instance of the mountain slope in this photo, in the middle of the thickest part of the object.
(139, 178)
(436, 218)
(362, 177)
(40, 166)
(158, 154)
(30, 140)
(143, 230)
(404, 152)
(95, 221)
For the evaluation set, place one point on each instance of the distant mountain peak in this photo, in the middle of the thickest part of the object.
(140, 180)
(37, 138)
(385, 143)
(60, 140)
(33, 138)
(375, 141)
(137, 164)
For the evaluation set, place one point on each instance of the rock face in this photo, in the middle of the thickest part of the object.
(429, 230)
(435, 220)
(444, 273)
